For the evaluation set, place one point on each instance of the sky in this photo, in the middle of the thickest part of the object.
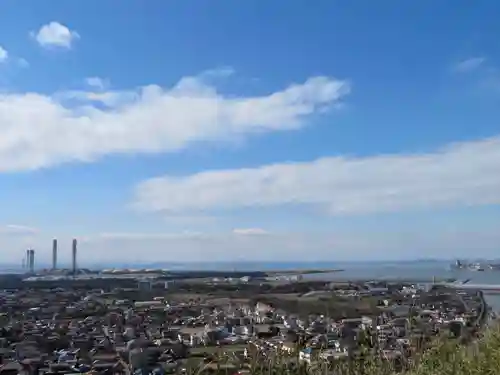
(249, 130)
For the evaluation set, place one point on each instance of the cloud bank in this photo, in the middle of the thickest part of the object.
(463, 174)
(42, 131)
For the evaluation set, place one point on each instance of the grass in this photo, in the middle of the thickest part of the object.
(444, 357)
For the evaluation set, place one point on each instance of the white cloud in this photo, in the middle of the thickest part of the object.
(469, 64)
(3, 54)
(96, 82)
(55, 34)
(13, 229)
(6, 57)
(221, 72)
(110, 99)
(250, 231)
(41, 131)
(464, 174)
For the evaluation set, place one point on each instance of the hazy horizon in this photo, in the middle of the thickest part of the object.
(252, 263)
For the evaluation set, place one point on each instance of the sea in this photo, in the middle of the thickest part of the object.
(423, 271)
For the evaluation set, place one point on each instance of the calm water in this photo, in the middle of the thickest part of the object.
(418, 271)
(422, 271)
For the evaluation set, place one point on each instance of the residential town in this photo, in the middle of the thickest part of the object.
(156, 328)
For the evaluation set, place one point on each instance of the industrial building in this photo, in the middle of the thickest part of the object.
(54, 254)
(28, 263)
(73, 256)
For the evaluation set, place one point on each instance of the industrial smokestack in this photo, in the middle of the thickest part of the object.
(32, 261)
(27, 259)
(74, 255)
(54, 254)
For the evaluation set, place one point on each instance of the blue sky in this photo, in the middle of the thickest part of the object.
(194, 130)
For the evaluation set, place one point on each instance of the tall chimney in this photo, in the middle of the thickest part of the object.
(74, 255)
(32, 261)
(54, 254)
(28, 259)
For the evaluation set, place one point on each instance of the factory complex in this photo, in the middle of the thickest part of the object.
(75, 273)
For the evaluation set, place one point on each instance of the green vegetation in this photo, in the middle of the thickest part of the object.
(444, 357)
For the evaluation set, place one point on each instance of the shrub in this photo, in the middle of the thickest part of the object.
(443, 357)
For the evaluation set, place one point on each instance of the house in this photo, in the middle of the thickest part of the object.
(332, 355)
(306, 354)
